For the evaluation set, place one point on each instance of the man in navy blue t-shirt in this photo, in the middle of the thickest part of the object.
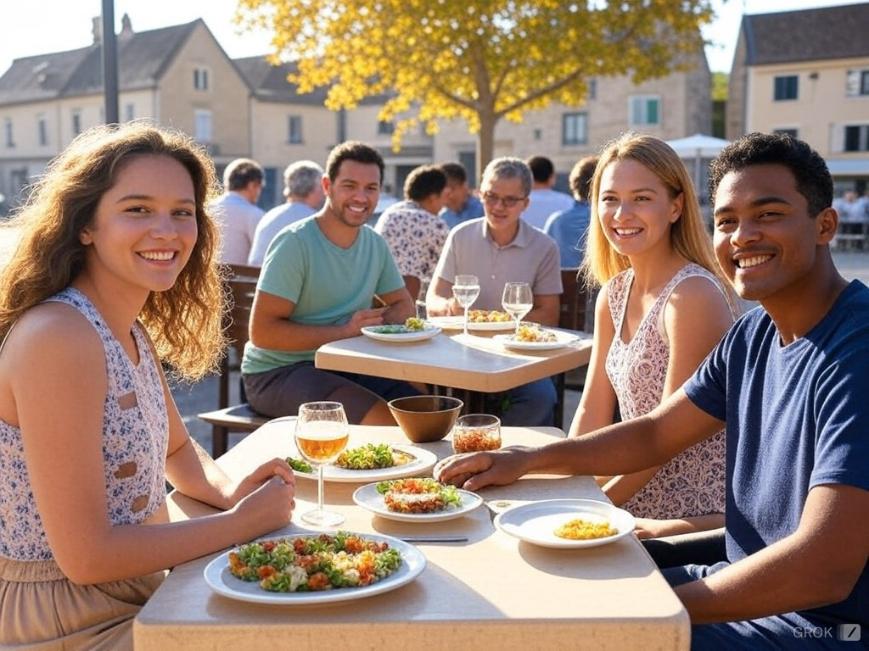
(791, 380)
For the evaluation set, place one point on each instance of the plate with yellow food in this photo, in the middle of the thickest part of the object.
(369, 462)
(566, 524)
(413, 329)
(479, 320)
(533, 337)
(416, 499)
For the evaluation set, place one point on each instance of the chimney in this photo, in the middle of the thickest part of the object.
(126, 26)
(97, 29)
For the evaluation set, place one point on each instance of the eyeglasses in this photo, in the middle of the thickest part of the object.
(493, 200)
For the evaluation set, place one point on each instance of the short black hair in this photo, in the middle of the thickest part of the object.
(813, 177)
(542, 168)
(580, 177)
(455, 172)
(355, 151)
(240, 172)
(423, 182)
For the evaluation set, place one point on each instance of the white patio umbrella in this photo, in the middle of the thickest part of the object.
(696, 148)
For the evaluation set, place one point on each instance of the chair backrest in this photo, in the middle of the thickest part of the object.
(243, 271)
(242, 291)
(573, 301)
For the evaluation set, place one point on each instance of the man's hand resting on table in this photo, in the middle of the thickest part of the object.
(476, 470)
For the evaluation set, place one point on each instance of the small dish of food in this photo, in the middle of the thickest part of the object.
(369, 462)
(531, 336)
(413, 329)
(416, 499)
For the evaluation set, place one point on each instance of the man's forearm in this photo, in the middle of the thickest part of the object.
(288, 336)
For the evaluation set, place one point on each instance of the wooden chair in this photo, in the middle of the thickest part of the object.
(576, 313)
(241, 288)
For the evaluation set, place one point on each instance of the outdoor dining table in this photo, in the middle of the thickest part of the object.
(476, 362)
(493, 591)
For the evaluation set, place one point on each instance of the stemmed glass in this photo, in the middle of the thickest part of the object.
(517, 301)
(321, 435)
(466, 289)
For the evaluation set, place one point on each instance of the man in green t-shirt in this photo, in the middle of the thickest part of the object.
(317, 283)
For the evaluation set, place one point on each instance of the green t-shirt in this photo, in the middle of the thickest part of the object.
(326, 283)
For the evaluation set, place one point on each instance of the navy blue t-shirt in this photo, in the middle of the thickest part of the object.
(797, 417)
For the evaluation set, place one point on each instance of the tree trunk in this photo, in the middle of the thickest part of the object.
(485, 142)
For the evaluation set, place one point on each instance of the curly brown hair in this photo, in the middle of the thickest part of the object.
(185, 321)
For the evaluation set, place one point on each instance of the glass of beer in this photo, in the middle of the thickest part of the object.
(321, 435)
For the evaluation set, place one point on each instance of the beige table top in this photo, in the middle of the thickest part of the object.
(474, 362)
(608, 597)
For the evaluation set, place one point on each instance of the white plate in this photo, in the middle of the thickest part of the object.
(220, 579)
(423, 462)
(536, 522)
(369, 499)
(562, 340)
(458, 323)
(420, 335)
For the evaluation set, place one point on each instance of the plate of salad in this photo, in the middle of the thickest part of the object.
(416, 499)
(413, 329)
(369, 462)
(314, 569)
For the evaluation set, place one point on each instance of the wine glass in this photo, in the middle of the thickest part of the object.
(466, 289)
(517, 301)
(321, 435)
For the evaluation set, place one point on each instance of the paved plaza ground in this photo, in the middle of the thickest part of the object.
(202, 396)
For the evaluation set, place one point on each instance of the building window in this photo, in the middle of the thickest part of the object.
(76, 123)
(645, 110)
(294, 130)
(574, 129)
(857, 137)
(202, 125)
(786, 132)
(200, 78)
(130, 112)
(538, 134)
(592, 88)
(41, 130)
(857, 83)
(786, 88)
(385, 127)
(7, 129)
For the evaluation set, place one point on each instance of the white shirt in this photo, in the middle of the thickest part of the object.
(237, 219)
(542, 203)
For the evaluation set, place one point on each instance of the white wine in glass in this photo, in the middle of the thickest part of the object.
(321, 435)
(517, 301)
(466, 289)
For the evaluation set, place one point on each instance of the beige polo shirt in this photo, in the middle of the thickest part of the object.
(531, 257)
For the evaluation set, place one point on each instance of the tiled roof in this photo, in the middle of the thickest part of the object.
(808, 35)
(269, 82)
(142, 58)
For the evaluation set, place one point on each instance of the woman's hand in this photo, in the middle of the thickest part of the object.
(269, 507)
(273, 468)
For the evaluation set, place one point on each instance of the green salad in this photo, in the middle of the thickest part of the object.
(300, 465)
(371, 456)
(412, 324)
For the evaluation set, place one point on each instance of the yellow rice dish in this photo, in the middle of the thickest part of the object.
(580, 529)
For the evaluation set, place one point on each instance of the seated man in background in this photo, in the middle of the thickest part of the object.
(569, 227)
(460, 205)
(497, 249)
(236, 212)
(303, 189)
(789, 380)
(543, 200)
(316, 286)
(412, 229)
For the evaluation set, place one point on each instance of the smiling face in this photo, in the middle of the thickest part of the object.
(504, 200)
(352, 196)
(144, 227)
(766, 241)
(635, 208)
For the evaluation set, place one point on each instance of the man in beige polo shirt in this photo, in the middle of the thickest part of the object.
(499, 248)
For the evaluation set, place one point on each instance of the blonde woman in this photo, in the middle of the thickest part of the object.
(662, 308)
(113, 276)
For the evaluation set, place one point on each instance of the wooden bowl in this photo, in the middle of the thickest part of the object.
(424, 419)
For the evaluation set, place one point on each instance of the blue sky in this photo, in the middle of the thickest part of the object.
(40, 26)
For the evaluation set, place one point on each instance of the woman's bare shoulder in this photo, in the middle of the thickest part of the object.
(51, 329)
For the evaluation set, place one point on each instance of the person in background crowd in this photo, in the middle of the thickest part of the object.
(790, 381)
(460, 205)
(568, 227)
(236, 211)
(412, 229)
(114, 277)
(543, 200)
(303, 189)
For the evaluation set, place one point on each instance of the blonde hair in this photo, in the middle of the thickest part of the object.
(687, 234)
(185, 321)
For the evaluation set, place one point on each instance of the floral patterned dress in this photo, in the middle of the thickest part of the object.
(692, 482)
